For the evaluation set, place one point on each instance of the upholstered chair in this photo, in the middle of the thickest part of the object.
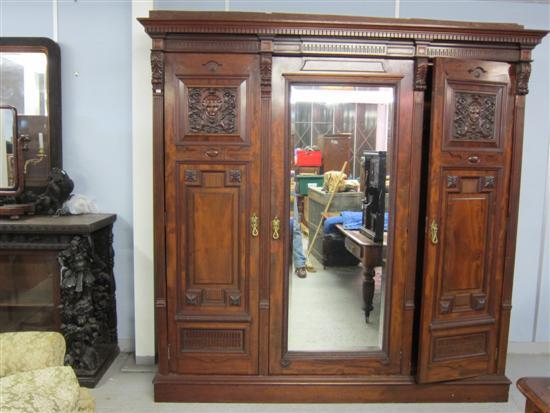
(34, 379)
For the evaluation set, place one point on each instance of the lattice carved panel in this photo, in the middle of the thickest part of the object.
(212, 340)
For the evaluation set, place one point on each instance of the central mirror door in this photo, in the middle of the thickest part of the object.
(338, 295)
(340, 175)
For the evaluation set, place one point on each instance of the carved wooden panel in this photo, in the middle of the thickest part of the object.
(474, 117)
(212, 340)
(466, 242)
(212, 267)
(474, 112)
(212, 109)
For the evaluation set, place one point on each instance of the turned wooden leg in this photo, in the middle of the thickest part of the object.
(368, 291)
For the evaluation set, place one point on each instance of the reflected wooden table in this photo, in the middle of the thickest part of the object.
(371, 255)
(537, 392)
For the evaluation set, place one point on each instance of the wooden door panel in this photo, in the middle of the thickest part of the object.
(466, 242)
(212, 173)
(211, 240)
(466, 219)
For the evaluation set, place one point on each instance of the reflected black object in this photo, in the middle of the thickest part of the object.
(374, 203)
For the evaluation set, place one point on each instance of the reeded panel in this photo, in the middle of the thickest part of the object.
(466, 241)
(212, 219)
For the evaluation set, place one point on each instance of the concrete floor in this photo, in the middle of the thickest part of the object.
(326, 311)
(131, 391)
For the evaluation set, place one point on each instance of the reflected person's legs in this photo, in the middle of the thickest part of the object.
(297, 246)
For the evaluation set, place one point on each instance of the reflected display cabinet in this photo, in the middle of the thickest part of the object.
(238, 317)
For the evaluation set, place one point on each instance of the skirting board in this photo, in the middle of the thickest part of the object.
(529, 347)
(126, 345)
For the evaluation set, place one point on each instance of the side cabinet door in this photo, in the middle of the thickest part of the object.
(212, 212)
(470, 155)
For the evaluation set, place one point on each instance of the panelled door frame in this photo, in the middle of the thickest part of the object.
(466, 218)
(212, 163)
(394, 355)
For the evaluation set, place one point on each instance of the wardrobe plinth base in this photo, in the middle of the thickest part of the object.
(299, 389)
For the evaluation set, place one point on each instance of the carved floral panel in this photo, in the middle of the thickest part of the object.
(213, 110)
(474, 117)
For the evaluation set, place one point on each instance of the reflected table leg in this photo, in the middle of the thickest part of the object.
(368, 291)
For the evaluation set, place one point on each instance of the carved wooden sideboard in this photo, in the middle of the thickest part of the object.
(56, 274)
(225, 93)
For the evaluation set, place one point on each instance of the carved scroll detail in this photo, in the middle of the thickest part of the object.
(212, 110)
(489, 182)
(193, 297)
(474, 117)
(446, 305)
(523, 72)
(234, 298)
(234, 176)
(478, 301)
(191, 175)
(265, 75)
(157, 69)
(420, 71)
(452, 181)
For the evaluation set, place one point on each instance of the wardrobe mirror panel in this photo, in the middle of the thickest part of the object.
(340, 136)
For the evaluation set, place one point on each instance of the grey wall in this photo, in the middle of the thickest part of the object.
(95, 41)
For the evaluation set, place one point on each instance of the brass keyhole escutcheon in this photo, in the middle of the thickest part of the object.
(276, 227)
(433, 229)
(254, 223)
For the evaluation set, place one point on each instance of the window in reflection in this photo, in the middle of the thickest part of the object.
(339, 184)
(7, 140)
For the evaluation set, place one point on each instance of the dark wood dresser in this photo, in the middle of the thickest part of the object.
(56, 274)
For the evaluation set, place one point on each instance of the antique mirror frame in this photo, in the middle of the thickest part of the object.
(53, 87)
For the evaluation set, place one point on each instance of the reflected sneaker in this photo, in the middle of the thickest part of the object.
(301, 272)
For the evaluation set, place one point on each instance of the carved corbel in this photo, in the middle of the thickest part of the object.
(523, 72)
(265, 74)
(420, 73)
(157, 72)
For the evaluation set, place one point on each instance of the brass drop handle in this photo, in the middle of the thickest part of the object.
(433, 229)
(276, 227)
(212, 152)
(254, 223)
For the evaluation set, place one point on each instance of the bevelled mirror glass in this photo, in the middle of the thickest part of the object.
(340, 136)
(29, 69)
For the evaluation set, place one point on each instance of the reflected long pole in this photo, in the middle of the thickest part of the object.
(309, 266)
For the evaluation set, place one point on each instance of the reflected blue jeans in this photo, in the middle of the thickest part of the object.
(297, 246)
